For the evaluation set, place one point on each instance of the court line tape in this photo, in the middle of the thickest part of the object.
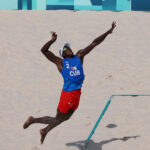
(102, 114)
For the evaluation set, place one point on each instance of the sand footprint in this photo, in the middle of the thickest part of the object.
(88, 117)
(90, 124)
(35, 148)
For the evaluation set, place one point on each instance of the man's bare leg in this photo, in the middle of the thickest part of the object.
(60, 117)
(43, 120)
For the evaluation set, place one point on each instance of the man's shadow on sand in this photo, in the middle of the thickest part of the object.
(98, 146)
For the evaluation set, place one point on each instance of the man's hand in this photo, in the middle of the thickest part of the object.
(113, 26)
(54, 36)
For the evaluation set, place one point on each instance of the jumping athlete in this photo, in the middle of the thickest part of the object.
(71, 70)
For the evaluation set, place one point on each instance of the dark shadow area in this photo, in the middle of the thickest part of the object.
(56, 7)
(29, 4)
(140, 5)
(19, 4)
(134, 95)
(96, 2)
(111, 126)
(98, 146)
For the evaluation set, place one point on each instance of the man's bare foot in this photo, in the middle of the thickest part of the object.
(28, 122)
(43, 135)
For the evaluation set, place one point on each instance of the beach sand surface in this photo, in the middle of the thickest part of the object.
(31, 84)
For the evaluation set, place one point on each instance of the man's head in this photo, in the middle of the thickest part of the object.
(66, 51)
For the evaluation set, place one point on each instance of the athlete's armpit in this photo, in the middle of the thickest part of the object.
(81, 53)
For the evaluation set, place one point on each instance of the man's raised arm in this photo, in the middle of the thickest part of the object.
(98, 40)
(52, 57)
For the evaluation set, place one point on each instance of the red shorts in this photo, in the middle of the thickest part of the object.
(69, 100)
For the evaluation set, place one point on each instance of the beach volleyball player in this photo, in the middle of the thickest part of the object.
(71, 69)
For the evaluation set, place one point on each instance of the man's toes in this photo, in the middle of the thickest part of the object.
(43, 135)
(28, 122)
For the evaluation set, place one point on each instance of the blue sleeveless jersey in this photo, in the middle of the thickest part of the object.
(72, 73)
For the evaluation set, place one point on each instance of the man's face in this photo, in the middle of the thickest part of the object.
(68, 53)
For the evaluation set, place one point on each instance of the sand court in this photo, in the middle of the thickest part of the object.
(31, 85)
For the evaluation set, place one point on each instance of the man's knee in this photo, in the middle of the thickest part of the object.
(69, 114)
(63, 117)
(67, 118)
(59, 120)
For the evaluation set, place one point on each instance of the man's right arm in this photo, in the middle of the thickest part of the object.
(51, 56)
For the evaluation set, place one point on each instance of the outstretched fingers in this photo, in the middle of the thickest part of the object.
(114, 24)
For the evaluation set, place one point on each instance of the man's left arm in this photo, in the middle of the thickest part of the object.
(97, 41)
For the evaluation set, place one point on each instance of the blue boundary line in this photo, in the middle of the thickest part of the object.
(102, 114)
